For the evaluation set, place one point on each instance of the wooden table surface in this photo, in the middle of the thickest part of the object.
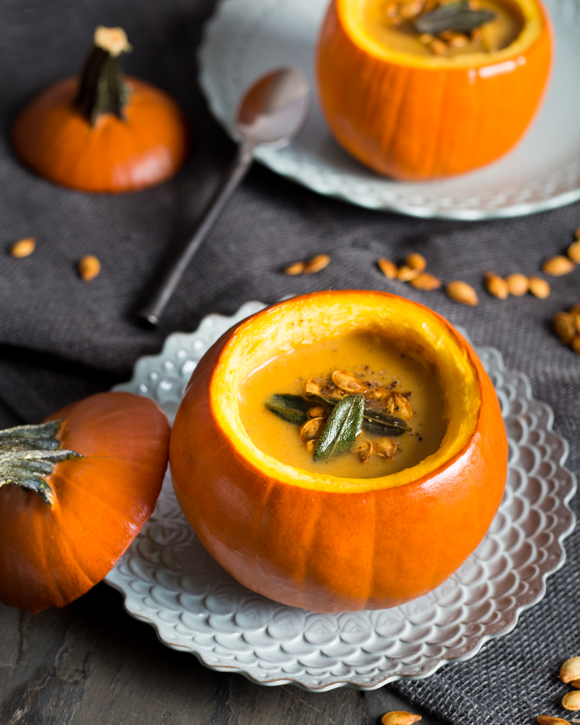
(90, 663)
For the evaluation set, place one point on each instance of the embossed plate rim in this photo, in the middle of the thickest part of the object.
(206, 332)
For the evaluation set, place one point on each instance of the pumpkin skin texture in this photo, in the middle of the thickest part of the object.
(321, 542)
(415, 118)
(55, 140)
(52, 554)
(101, 131)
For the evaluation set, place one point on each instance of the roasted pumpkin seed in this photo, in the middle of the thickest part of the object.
(539, 287)
(566, 330)
(89, 267)
(518, 284)
(295, 268)
(496, 286)
(388, 268)
(400, 405)
(364, 450)
(312, 428)
(574, 251)
(571, 701)
(347, 382)
(416, 261)
(400, 718)
(558, 266)
(318, 411)
(425, 282)
(462, 292)
(570, 670)
(23, 248)
(407, 273)
(316, 264)
(385, 448)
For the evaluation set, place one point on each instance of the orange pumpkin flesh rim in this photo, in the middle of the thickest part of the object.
(321, 542)
(350, 12)
(417, 117)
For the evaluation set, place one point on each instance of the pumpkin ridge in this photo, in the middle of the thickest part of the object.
(300, 574)
(398, 107)
(472, 143)
(73, 552)
(438, 135)
(73, 556)
(62, 481)
(260, 512)
(76, 485)
(55, 585)
(373, 555)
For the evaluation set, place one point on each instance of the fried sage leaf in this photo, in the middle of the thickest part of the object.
(375, 422)
(289, 407)
(343, 426)
(324, 399)
(457, 17)
(383, 424)
(382, 429)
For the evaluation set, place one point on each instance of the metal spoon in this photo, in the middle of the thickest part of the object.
(271, 112)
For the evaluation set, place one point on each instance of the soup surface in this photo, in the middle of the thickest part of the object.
(394, 382)
(494, 35)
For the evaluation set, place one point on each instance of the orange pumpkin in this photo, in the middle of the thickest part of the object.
(102, 132)
(82, 486)
(321, 542)
(417, 117)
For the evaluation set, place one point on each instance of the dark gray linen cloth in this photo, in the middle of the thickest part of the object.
(62, 339)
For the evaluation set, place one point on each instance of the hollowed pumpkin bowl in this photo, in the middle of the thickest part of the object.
(416, 117)
(320, 542)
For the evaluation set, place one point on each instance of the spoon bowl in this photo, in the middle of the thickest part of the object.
(274, 109)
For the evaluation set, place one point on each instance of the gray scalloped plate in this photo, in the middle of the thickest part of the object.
(246, 38)
(170, 581)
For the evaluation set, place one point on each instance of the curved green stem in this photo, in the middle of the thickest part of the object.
(29, 454)
(102, 88)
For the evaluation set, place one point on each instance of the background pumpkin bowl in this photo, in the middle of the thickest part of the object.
(421, 117)
(323, 543)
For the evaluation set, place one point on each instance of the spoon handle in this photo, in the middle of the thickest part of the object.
(152, 312)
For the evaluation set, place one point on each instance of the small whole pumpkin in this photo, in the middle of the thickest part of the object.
(418, 117)
(74, 493)
(323, 542)
(102, 131)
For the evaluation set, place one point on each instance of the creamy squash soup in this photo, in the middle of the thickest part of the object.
(352, 406)
(429, 27)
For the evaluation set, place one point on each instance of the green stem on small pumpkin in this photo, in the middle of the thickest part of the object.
(102, 88)
(29, 453)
